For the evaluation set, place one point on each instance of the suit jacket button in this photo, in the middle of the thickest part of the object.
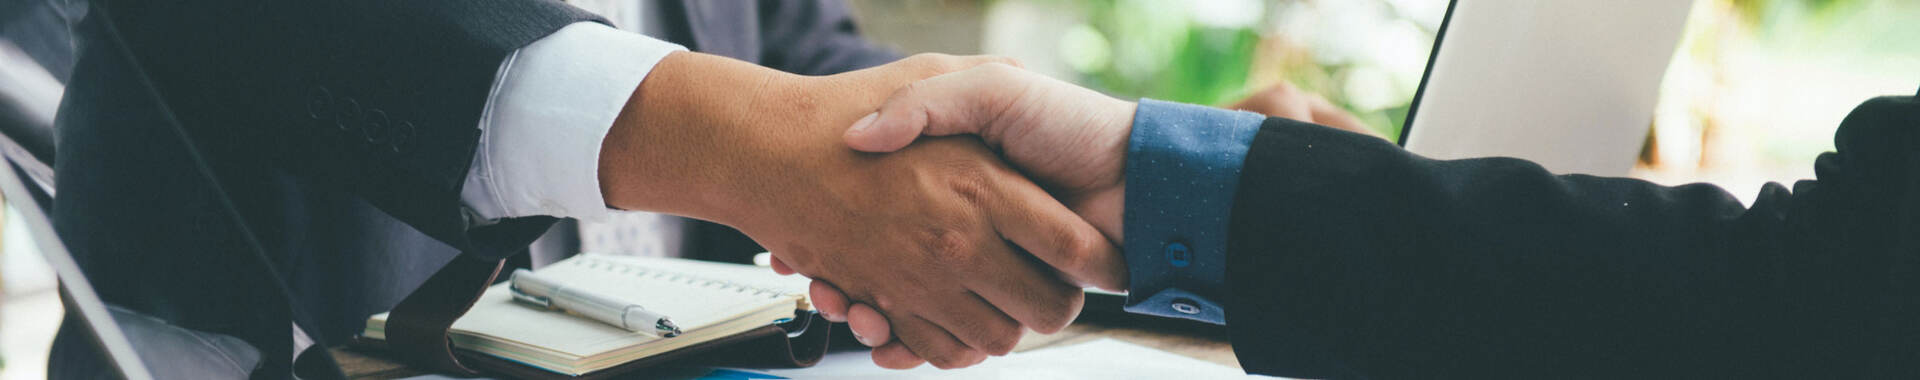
(375, 129)
(401, 134)
(349, 113)
(318, 100)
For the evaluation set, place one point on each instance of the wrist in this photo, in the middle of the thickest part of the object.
(675, 144)
(1119, 121)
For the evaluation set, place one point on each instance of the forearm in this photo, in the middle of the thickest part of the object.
(1350, 254)
(365, 97)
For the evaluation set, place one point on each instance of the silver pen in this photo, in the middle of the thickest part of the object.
(544, 292)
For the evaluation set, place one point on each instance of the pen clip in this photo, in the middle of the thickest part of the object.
(530, 299)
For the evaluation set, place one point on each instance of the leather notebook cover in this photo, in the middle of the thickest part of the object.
(800, 343)
(420, 331)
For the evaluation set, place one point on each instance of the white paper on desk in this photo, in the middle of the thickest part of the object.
(1101, 359)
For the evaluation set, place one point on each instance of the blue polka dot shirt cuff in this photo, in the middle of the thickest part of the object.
(1183, 166)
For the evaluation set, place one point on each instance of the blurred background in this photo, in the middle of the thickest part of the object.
(1753, 94)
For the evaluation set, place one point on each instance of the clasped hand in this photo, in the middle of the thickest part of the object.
(1070, 140)
(936, 252)
(937, 236)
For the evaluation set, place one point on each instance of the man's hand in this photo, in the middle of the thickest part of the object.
(921, 235)
(1285, 101)
(1071, 140)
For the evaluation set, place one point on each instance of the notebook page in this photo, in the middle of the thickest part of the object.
(745, 275)
(694, 302)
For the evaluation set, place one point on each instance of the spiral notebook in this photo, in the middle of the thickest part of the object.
(709, 301)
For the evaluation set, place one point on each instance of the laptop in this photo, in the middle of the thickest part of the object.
(1568, 84)
(79, 295)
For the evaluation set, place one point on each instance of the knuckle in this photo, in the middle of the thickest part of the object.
(956, 359)
(970, 179)
(1065, 308)
(883, 303)
(934, 63)
(973, 357)
(801, 259)
(943, 359)
(910, 89)
(1072, 260)
(994, 338)
(948, 245)
(1002, 342)
(1075, 245)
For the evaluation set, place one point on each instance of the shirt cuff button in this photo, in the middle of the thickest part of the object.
(1186, 306)
(1179, 255)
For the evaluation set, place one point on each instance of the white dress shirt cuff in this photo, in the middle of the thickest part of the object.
(551, 105)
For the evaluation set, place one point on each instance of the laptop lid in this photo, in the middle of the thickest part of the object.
(1569, 84)
(83, 301)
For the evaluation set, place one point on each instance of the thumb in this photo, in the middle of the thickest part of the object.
(870, 135)
(963, 102)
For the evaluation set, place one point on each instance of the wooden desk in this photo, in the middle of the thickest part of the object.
(1196, 342)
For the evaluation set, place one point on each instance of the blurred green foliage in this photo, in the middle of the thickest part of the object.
(1217, 52)
(1158, 52)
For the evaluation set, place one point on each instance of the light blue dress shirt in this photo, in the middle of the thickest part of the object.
(1183, 167)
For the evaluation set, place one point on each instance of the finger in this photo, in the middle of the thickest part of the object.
(780, 266)
(922, 66)
(1325, 113)
(977, 324)
(867, 135)
(1024, 289)
(971, 61)
(1281, 100)
(828, 300)
(896, 355)
(928, 341)
(868, 325)
(965, 102)
(1038, 223)
(1289, 104)
(926, 65)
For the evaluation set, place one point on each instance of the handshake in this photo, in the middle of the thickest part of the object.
(942, 250)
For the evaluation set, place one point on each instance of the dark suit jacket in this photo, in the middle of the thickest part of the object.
(339, 132)
(1351, 258)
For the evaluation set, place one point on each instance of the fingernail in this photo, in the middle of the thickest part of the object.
(863, 340)
(864, 123)
(833, 318)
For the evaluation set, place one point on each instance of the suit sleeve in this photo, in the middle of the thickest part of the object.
(378, 98)
(815, 37)
(1351, 258)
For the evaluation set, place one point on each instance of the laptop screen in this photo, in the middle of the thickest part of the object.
(1552, 82)
(1413, 105)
